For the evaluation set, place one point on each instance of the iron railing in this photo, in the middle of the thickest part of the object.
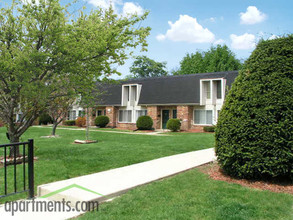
(21, 183)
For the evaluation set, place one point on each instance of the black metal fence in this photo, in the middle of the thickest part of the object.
(17, 170)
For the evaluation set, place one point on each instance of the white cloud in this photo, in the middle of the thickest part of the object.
(105, 3)
(160, 37)
(212, 19)
(219, 41)
(130, 8)
(243, 42)
(252, 16)
(30, 2)
(273, 37)
(187, 29)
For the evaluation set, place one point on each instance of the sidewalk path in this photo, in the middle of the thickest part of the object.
(155, 133)
(111, 183)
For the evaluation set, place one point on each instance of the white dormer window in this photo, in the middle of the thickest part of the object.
(207, 89)
(219, 89)
(211, 91)
(130, 94)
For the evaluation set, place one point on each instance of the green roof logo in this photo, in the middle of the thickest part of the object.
(70, 187)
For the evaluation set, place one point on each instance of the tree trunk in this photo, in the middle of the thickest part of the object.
(14, 150)
(87, 124)
(55, 124)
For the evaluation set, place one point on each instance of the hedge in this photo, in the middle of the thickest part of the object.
(102, 121)
(209, 128)
(254, 131)
(144, 122)
(45, 119)
(69, 122)
(173, 124)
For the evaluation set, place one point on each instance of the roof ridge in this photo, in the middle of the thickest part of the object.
(178, 76)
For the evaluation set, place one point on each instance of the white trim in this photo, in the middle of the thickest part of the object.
(177, 104)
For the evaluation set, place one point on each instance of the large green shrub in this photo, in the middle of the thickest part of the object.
(45, 119)
(144, 122)
(254, 134)
(102, 121)
(173, 124)
(69, 122)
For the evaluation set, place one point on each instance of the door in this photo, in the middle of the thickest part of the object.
(165, 118)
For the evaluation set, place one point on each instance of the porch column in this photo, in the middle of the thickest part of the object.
(184, 114)
(111, 112)
(153, 112)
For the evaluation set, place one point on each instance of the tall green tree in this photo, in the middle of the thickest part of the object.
(42, 44)
(216, 59)
(144, 67)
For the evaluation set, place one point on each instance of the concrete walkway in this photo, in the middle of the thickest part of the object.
(111, 183)
(155, 133)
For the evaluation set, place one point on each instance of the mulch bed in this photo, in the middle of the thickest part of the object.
(10, 160)
(216, 173)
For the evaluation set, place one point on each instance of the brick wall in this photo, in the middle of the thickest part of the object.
(154, 113)
(111, 112)
(184, 113)
(128, 126)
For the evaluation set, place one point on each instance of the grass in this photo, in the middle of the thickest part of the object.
(92, 128)
(192, 195)
(59, 158)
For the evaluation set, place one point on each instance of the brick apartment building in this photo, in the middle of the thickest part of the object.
(195, 99)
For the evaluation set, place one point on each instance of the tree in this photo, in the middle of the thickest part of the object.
(58, 110)
(144, 67)
(254, 131)
(216, 59)
(41, 45)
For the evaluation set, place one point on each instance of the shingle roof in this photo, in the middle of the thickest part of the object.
(181, 89)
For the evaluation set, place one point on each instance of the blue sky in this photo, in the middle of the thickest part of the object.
(187, 26)
(221, 18)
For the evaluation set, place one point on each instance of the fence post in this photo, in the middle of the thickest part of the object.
(31, 168)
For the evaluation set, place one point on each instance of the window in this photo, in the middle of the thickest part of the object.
(81, 113)
(127, 92)
(99, 112)
(105, 112)
(207, 89)
(73, 115)
(134, 91)
(125, 116)
(174, 113)
(203, 117)
(140, 113)
(219, 89)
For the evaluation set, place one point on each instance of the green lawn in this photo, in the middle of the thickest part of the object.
(59, 158)
(192, 195)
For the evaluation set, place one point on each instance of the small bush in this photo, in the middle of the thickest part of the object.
(80, 122)
(144, 123)
(69, 122)
(173, 124)
(45, 119)
(102, 121)
(2, 123)
(209, 128)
